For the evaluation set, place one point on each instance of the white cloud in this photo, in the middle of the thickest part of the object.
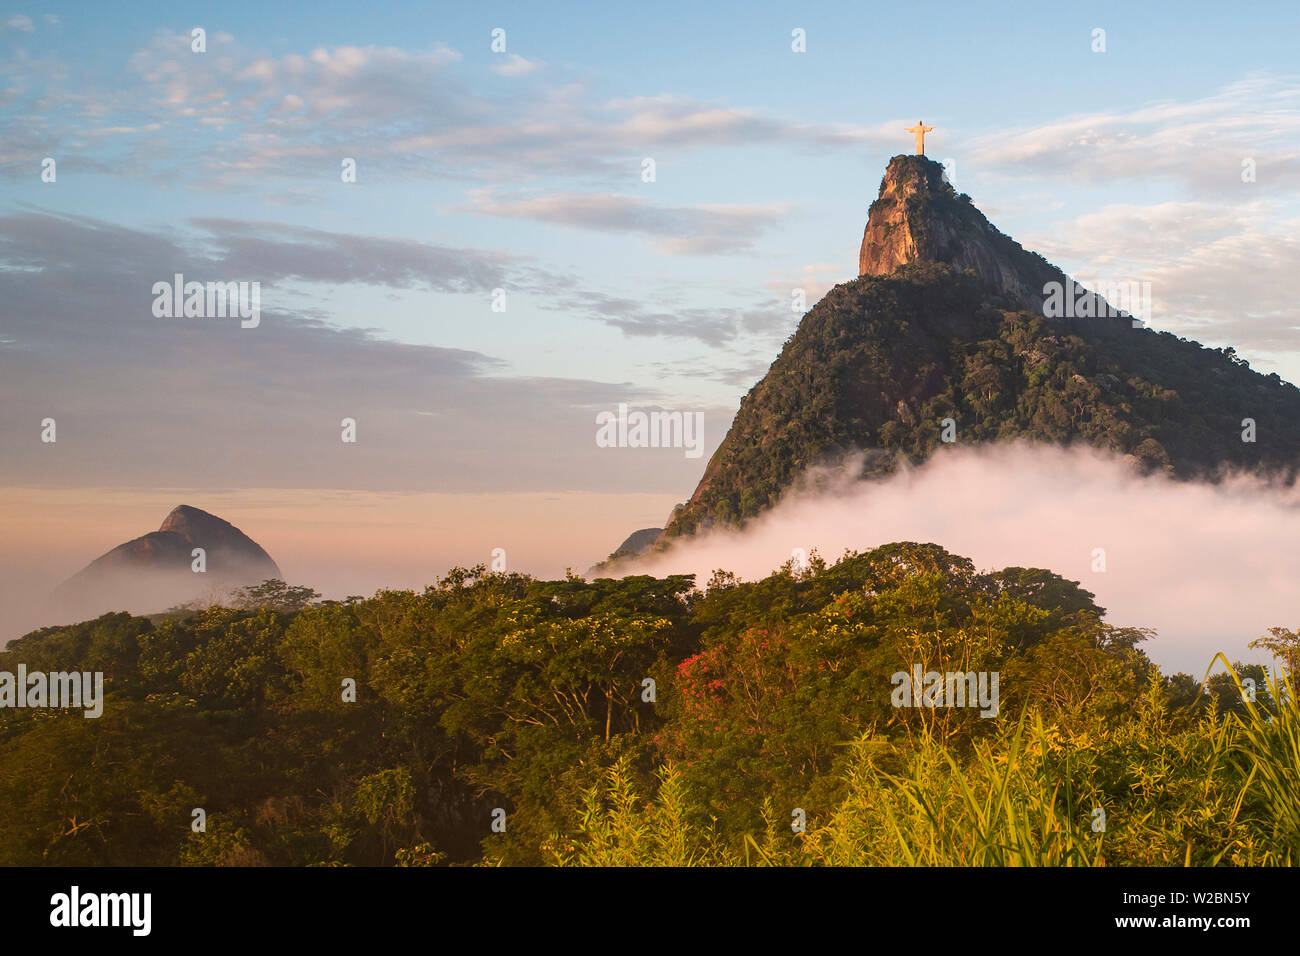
(1223, 273)
(410, 110)
(516, 65)
(1199, 143)
(676, 230)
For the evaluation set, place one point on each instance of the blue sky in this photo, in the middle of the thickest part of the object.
(779, 153)
(521, 170)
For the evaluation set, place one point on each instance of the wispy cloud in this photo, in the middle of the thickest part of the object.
(516, 65)
(1200, 143)
(677, 230)
(414, 113)
(145, 401)
(1224, 272)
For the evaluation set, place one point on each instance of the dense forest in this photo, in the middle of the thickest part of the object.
(498, 719)
(880, 362)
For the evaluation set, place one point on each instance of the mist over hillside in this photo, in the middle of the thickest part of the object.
(1208, 566)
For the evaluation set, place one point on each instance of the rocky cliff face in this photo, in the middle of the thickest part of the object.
(155, 571)
(919, 217)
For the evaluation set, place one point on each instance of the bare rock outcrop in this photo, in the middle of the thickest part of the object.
(919, 217)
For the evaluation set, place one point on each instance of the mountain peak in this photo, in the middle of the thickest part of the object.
(919, 217)
(946, 323)
(192, 522)
(157, 570)
(199, 528)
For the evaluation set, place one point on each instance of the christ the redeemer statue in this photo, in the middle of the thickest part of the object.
(920, 130)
